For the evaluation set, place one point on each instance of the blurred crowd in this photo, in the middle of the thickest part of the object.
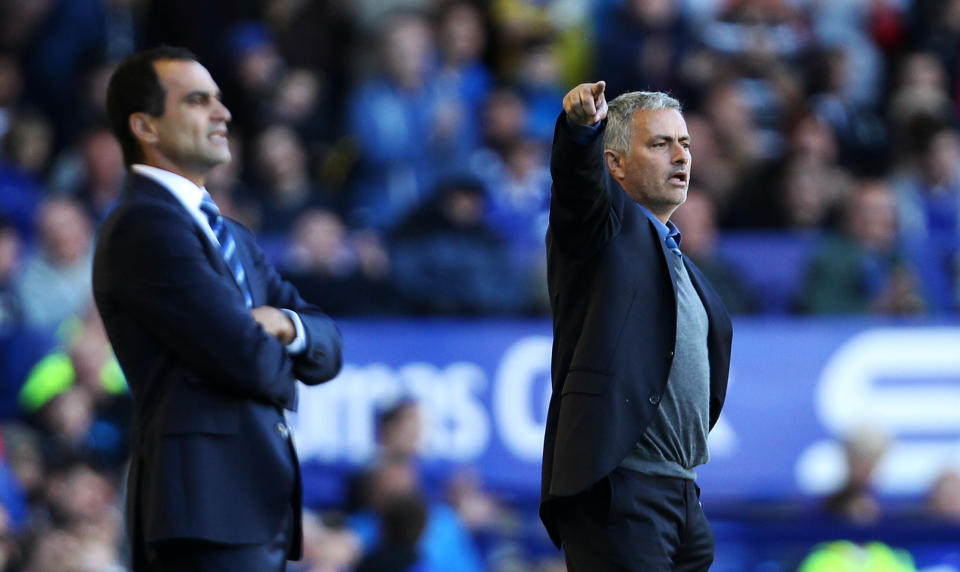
(393, 156)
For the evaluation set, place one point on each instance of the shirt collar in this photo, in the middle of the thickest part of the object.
(663, 230)
(182, 188)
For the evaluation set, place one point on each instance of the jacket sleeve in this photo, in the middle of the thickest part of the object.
(581, 213)
(161, 276)
(322, 358)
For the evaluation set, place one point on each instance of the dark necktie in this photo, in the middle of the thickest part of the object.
(228, 246)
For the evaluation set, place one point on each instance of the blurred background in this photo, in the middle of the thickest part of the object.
(393, 157)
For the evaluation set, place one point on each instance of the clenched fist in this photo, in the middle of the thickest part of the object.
(585, 104)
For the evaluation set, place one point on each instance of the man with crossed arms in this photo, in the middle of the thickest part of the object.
(211, 339)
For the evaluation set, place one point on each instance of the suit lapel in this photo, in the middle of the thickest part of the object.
(662, 252)
(138, 185)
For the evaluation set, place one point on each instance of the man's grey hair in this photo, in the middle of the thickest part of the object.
(620, 113)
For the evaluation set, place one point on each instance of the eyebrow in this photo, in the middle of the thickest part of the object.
(218, 94)
(668, 138)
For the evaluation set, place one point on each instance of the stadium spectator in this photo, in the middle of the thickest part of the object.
(538, 81)
(63, 41)
(447, 259)
(302, 101)
(862, 268)
(738, 139)
(462, 80)
(481, 512)
(919, 98)
(650, 38)
(928, 192)
(94, 173)
(518, 193)
(257, 70)
(77, 396)
(282, 169)
(714, 176)
(24, 456)
(8, 546)
(19, 198)
(83, 527)
(844, 556)
(55, 283)
(855, 501)
(318, 36)
(328, 544)
(798, 190)
(392, 500)
(861, 135)
(511, 166)
(940, 34)
(943, 500)
(504, 122)
(28, 144)
(810, 193)
(11, 83)
(402, 523)
(349, 273)
(395, 123)
(11, 315)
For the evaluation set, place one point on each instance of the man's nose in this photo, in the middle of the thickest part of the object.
(221, 112)
(681, 155)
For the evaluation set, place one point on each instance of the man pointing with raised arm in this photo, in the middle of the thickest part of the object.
(641, 347)
(211, 339)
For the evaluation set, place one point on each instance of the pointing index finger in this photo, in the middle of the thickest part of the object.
(588, 103)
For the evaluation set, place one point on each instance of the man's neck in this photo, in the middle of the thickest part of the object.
(197, 179)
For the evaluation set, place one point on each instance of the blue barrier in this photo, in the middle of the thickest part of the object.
(797, 386)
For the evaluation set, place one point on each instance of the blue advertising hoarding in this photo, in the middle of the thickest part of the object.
(797, 387)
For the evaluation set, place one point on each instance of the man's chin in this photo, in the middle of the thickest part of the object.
(217, 159)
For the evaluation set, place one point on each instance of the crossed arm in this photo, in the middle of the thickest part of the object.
(161, 277)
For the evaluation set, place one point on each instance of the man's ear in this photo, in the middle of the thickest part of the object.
(142, 127)
(615, 164)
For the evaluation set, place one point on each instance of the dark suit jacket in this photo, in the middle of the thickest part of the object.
(614, 306)
(210, 454)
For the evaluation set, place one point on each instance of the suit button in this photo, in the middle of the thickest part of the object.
(654, 399)
(282, 429)
(670, 354)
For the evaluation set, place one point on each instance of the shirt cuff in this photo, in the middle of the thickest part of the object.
(582, 134)
(299, 343)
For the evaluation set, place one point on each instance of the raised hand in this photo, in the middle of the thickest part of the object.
(586, 104)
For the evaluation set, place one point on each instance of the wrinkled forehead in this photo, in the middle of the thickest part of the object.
(180, 77)
(667, 122)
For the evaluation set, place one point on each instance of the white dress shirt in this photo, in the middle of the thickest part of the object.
(191, 196)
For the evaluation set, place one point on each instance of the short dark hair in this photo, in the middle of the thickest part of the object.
(135, 87)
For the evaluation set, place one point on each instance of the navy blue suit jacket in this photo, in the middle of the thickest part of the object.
(613, 298)
(210, 456)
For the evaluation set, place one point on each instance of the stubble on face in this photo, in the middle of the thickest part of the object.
(658, 162)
